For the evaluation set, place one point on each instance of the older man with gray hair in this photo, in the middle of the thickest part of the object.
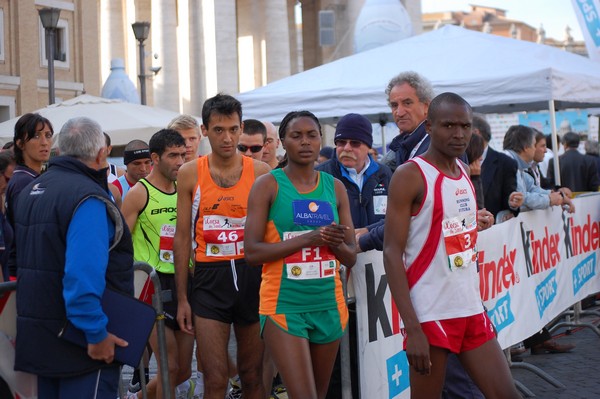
(71, 240)
(409, 95)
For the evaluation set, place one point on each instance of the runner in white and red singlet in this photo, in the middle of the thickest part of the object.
(430, 259)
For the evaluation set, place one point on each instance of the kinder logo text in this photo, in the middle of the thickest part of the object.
(541, 253)
(546, 292)
(497, 275)
(378, 303)
(583, 272)
(580, 239)
(501, 315)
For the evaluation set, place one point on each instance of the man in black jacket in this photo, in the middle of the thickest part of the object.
(409, 95)
(577, 172)
(498, 172)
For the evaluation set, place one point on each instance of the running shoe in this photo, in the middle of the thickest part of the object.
(135, 384)
(279, 392)
(236, 388)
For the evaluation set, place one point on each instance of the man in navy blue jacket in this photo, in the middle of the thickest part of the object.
(72, 243)
(365, 179)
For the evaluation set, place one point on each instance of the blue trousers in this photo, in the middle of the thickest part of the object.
(98, 384)
(458, 384)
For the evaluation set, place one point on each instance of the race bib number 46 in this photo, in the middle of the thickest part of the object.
(309, 262)
(224, 236)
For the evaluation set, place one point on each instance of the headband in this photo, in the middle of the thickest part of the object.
(130, 156)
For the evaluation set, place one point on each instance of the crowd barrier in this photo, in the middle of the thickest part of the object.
(532, 268)
(147, 284)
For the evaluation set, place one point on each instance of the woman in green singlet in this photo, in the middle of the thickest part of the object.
(300, 229)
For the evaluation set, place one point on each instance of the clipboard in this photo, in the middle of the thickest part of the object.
(128, 318)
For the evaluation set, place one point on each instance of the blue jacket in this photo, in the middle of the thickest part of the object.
(535, 197)
(44, 222)
(376, 181)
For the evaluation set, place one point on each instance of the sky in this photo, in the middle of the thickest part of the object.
(553, 14)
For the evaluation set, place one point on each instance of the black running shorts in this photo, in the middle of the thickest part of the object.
(226, 291)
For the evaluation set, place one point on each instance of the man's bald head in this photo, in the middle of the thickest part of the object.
(269, 155)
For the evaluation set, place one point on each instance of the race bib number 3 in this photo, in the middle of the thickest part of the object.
(460, 239)
(167, 234)
(309, 262)
(224, 236)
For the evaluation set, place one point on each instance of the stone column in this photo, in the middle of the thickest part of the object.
(276, 34)
(113, 24)
(164, 43)
(225, 42)
(295, 64)
(196, 40)
(310, 34)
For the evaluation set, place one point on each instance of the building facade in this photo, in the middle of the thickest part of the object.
(495, 21)
(23, 63)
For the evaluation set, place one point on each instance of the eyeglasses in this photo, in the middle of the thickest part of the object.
(353, 143)
(253, 148)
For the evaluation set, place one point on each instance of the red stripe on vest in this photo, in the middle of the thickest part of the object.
(423, 260)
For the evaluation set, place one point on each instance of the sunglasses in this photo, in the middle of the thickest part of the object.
(253, 148)
(353, 143)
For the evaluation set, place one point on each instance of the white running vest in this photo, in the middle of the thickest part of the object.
(441, 255)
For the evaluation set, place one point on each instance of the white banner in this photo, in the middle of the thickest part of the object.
(588, 15)
(532, 268)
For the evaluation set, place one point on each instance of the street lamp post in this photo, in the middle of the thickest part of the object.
(141, 31)
(49, 17)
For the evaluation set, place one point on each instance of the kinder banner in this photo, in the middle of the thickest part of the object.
(532, 268)
(588, 16)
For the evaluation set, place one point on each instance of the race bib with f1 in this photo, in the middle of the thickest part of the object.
(309, 262)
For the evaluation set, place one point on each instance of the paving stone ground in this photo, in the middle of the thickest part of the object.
(578, 370)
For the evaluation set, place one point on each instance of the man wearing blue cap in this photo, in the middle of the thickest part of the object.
(365, 179)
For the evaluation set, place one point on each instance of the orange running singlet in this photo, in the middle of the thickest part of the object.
(219, 214)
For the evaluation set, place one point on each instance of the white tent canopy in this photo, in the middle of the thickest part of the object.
(121, 120)
(493, 73)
